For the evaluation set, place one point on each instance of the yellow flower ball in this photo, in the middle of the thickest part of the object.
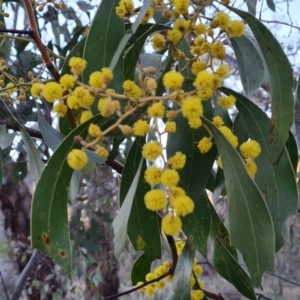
(170, 127)
(183, 205)
(232, 139)
(197, 295)
(94, 130)
(204, 145)
(223, 71)
(192, 281)
(158, 41)
(197, 269)
(170, 178)
(204, 80)
(200, 28)
(192, 107)
(60, 109)
(96, 79)
(198, 66)
(152, 175)
(139, 284)
(166, 264)
(171, 225)
(102, 152)
(250, 149)
(217, 121)
(107, 75)
(181, 6)
(218, 51)
(84, 98)
(227, 101)
(141, 128)
(177, 161)
(77, 159)
(36, 89)
(131, 89)
(52, 91)
(173, 80)
(106, 107)
(161, 284)
(156, 110)
(77, 65)
(195, 123)
(235, 28)
(149, 290)
(67, 82)
(149, 276)
(72, 102)
(155, 200)
(174, 36)
(221, 19)
(171, 114)
(152, 150)
(251, 167)
(182, 25)
(176, 192)
(85, 116)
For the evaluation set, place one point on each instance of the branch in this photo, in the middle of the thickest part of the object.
(212, 295)
(281, 23)
(12, 125)
(24, 275)
(29, 32)
(4, 286)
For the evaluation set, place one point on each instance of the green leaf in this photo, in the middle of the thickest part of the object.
(6, 139)
(277, 181)
(102, 41)
(219, 185)
(239, 129)
(120, 223)
(250, 224)
(49, 218)
(251, 4)
(124, 39)
(250, 64)
(271, 4)
(181, 281)
(297, 91)
(141, 267)
(225, 257)
(221, 112)
(1, 170)
(143, 229)
(281, 76)
(292, 149)
(197, 224)
(74, 186)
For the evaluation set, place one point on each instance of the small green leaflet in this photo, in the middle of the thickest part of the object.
(141, 267)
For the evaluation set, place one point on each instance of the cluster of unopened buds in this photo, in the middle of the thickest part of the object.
(71, 94)
(196, 284)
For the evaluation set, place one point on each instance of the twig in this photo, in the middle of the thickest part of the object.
(24, 275)
(12, 125)
(29, 32)
(212, 295)
(281, 23)
(4, 286)
(138, 287)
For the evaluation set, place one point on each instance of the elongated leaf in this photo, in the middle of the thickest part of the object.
(225, 256)
(292, 149)
(197, 224)
(124, 39)
(143, 229)
(239, 129)
(6, 139)
(49, 219)
(181, 281)
(297, 91)
(281, 82)
(251, 6)
(250, 224)
(102, 41)
(219, 185)
(74, 186)
(271, 4)
(250, 64)
(120, 223)
(36, 164)
(1, 169)
(276, 182)
(140, 269)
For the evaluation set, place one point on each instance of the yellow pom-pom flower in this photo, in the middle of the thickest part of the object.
(158, 41)
(170, 127)
(218, 51)
(139, 284)
(200, 28)
(131, 89)
(217, 121)
(60, 109)
(149, 290)
(161, 284)
(149, 276)
(67, 82)
(85, 116)
(36, 89)
(195, 123)
(174, 36)
(152, 150)
(250, 149)
(84, 98)
(140, 128)
(192, 107)
(197, 295)
(221, 19)
(182, 24)
(102, 152)
(251, 167)
(181, 6)
(171, 225)
(173, 80)
(198, 66)
(226, 102)
(96, 79)
(170, 178)
(223, 71)
(72, 102)
(197, 269)
(77, 159)
(171, 114)
(204, 145)
(204, 79)
(155, 200)
(177, 161)
(235, 28)
(183, 206)
(77, 65)
(106, 107)
(176, 192)
(52, 91)
(179, 246)
(152, 175)
(156, 110)
(232, 139)
(94, 130)
(107, 75)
